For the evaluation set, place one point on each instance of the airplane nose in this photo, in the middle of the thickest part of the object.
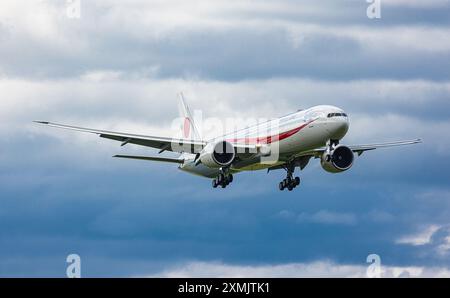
(344, 125)
(339, 129)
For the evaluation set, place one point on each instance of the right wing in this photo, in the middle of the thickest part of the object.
(162, 143)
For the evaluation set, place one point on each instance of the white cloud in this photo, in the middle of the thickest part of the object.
(328, 217)
(417, 3)
(319, 217)
(444, 248)
(175, 34)
(383, 127)
(420, 238)
(435, 238)
(99, 76)
(40, 22)
(293, 270)
(281, 95)
(379, 110)
(332, 217)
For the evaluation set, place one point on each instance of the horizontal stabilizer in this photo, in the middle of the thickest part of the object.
(150, 158)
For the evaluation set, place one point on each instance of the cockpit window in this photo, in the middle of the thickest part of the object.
(330, 115)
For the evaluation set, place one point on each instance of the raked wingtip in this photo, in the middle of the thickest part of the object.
(42, 122)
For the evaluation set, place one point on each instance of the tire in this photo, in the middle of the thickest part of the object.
(290, 188)
(214, 183)
(220, 179)
(297, 181)
(281, 186)
(230, 178)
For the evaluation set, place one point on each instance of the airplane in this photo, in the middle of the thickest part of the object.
(284, 143)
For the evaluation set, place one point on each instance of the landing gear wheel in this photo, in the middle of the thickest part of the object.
(221, 178)
(289, 182)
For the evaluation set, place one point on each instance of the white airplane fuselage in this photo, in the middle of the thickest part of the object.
(286, 136)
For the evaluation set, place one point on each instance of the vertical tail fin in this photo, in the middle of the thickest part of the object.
(189, 129)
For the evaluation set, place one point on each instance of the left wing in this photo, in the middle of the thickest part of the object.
(367, 147)
(162, 143)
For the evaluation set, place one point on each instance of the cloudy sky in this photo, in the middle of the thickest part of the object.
(116, 65)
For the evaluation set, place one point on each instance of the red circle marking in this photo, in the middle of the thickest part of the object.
(187, 127)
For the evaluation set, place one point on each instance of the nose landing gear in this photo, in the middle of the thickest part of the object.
(331, 144)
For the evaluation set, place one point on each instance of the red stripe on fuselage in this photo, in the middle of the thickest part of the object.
(270, 139)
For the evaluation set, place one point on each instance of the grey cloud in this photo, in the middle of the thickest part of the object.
(327, 217)
(154, 102)
(232, 55)
(119, 67)
(103, 39)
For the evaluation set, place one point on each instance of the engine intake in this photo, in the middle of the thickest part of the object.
(340, 159)
(218, 155)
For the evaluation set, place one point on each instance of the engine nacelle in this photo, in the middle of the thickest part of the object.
(340, 160)
(220, 154)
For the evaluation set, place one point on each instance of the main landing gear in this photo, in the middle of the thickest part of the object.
(331, 144)
(289, 182)
(223, 180)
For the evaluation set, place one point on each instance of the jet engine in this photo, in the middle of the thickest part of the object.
(340, 159)
(216, 155)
